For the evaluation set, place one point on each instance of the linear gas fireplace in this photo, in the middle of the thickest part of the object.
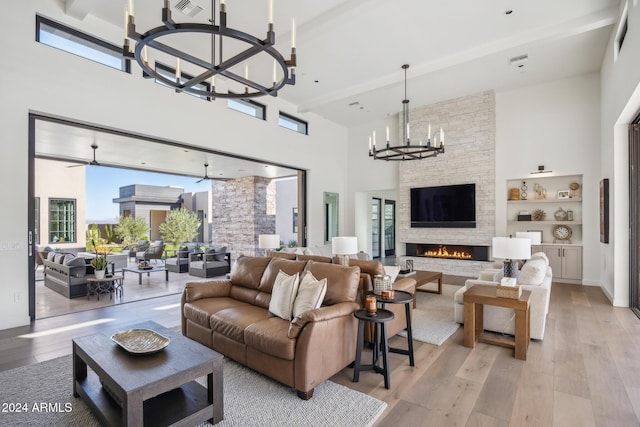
(457, 251)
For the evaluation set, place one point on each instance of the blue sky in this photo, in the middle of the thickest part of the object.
(103, 185)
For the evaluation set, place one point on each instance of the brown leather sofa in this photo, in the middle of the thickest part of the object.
(232, 317)
(368, 270)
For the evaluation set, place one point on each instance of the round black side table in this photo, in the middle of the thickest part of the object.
(406, 298)
(380, 340)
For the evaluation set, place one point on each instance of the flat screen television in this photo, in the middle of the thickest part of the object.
(445, 206)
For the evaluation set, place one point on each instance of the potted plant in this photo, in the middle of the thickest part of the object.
(99, 262)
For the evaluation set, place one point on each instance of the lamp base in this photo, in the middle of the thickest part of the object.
(510, 268)
(343, 260)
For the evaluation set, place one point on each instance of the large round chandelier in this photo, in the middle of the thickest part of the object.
(433, 145)
(203, 83)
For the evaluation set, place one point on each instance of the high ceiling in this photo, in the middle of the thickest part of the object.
(350, 53)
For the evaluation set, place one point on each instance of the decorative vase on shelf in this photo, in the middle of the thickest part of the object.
(99, 274)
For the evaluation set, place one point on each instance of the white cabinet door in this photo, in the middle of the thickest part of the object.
(554, 253)
(565, 262)
(572, 262)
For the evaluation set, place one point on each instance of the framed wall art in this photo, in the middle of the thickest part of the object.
(604, 210)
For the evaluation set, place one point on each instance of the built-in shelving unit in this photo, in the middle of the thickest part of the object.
(565, 256)
(549, 187)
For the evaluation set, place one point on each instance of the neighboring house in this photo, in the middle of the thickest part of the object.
(153, 203)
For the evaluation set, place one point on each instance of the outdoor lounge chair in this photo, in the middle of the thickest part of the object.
(154, 252)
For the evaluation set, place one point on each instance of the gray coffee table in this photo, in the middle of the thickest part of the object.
(153, 389)
(148, 271)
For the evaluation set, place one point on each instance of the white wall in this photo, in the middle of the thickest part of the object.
(286, 200)
(620, 87)
(58, 181)
(555, 124)
(39, 78)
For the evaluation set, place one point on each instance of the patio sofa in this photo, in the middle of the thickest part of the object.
(178, 261)
(213, 262)
(66, 274)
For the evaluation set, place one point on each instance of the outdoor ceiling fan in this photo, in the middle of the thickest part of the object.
(93, 162)
(208, 178)
(205, 177)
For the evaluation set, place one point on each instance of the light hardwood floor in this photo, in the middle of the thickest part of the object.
(584, 373)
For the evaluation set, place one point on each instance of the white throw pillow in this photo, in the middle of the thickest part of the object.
(311, 293)
(540, 255)
(532, 272)
(283, 294)
(392, 270)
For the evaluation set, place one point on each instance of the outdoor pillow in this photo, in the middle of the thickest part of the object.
(533, 272)
(220, 253)
(77, 264)
(59, 258)
(283, 295)
(51, 256)
(310, 295)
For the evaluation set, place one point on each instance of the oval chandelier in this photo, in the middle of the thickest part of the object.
(203, 83)
(405, 150)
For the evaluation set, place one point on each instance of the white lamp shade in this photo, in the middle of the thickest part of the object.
(511, 248)
(344, 245)
(268, 241)
(534, 236)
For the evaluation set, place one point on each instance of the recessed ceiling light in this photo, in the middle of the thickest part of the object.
(316, 81)
(508, 12)
(143, 163)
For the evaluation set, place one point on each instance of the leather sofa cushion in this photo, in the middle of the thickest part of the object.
(284, 255)
(200, 311)
(247, 271)
(233, 321)
(367, 267)
(270, 336)
(342, 282)
(318, 258)
(288, 267)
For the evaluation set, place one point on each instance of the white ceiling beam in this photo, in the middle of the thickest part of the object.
(79, 9)
(602, 18)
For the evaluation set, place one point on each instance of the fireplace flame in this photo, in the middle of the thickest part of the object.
(443, 252)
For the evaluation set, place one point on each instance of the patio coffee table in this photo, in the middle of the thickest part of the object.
(149, 389)
(148, 271)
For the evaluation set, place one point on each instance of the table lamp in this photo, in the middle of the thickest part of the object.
(268, 242)
(344, 246)
(511, 249)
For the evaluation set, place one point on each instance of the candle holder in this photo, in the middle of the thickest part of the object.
(371, 304)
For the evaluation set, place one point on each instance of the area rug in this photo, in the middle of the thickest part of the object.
(432, 319)
(41, 394)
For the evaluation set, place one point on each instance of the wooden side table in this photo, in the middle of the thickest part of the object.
(474, 300)
(380, 322)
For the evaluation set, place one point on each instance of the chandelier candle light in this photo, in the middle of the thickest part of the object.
(406, 151)
(203, 84)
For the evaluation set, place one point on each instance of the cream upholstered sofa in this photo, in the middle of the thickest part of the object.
(535, 276)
